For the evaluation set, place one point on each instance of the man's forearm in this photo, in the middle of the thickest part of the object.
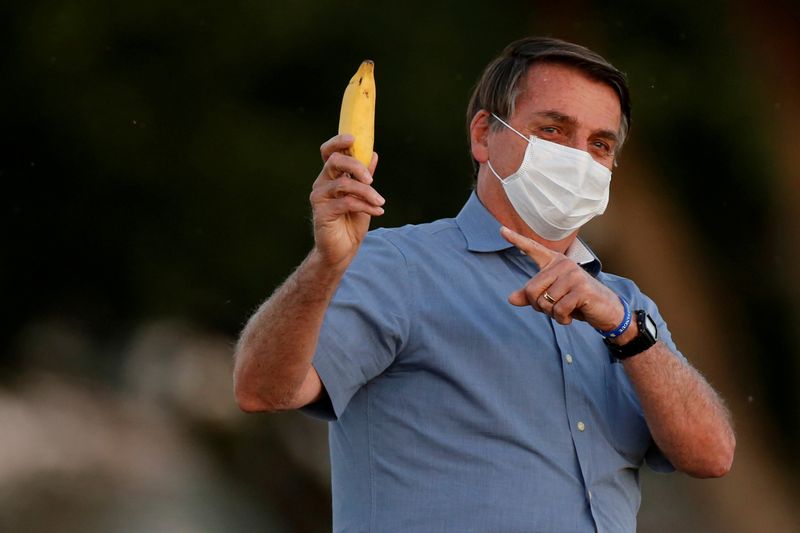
(274, 352)
(686, 417)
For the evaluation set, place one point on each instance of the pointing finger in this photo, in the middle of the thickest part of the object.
(541, 255)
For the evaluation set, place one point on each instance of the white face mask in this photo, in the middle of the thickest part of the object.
(556, 189)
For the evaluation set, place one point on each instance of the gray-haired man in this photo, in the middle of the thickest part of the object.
(482, 373)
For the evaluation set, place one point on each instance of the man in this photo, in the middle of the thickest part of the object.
(482, 373)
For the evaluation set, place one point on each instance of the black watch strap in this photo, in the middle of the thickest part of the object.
(647, 337)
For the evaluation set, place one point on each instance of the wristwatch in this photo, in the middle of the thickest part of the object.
(647, 337)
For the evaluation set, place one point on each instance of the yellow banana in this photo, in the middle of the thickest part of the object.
(357, 116)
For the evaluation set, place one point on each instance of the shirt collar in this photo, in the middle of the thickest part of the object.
(482, 232)
(480, 228)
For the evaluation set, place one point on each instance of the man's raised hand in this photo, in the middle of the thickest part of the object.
(342, 202)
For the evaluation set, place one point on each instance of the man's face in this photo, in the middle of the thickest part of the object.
(559, 103)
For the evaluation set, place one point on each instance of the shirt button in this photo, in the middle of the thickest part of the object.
(568, 357)
(581, 426)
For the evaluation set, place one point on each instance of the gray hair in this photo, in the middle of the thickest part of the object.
(499, 86)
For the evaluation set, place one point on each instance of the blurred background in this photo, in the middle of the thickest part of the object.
(156, 159)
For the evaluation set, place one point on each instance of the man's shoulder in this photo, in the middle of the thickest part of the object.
(628, 289)
(415, 239)
(415, 231)
(619, 283)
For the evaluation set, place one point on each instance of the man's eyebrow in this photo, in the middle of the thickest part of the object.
(606, 134)
(557, 116)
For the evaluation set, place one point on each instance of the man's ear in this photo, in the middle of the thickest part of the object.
(479, 136)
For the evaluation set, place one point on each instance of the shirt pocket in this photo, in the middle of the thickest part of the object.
(630, 435)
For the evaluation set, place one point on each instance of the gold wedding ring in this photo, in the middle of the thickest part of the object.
(549, 298)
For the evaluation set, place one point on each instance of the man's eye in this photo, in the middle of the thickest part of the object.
(549, 129)
(601, 146)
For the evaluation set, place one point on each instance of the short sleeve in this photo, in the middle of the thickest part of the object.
(657, 461)
(365, 325)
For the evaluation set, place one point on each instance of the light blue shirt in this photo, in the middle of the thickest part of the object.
(453, 411)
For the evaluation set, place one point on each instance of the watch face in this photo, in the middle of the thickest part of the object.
(650, 326)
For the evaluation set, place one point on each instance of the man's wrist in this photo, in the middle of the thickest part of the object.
(621, 325)
(318, 260)
(627, 336)
(646, 335)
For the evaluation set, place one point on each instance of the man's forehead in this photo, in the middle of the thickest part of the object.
(554, 71)
(565, 93)
(548, 77)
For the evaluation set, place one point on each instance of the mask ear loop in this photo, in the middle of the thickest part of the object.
(496, 175)
(504, 123)
(507, 125)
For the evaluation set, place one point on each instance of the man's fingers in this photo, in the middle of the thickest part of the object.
(338, 164)
(352, 204)
(557, 285)
(344, 186)
(541, 255)
(531, 293)
(338, 143)
(519, 298)
(546, 288)
(373, 163)
(564, 308)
